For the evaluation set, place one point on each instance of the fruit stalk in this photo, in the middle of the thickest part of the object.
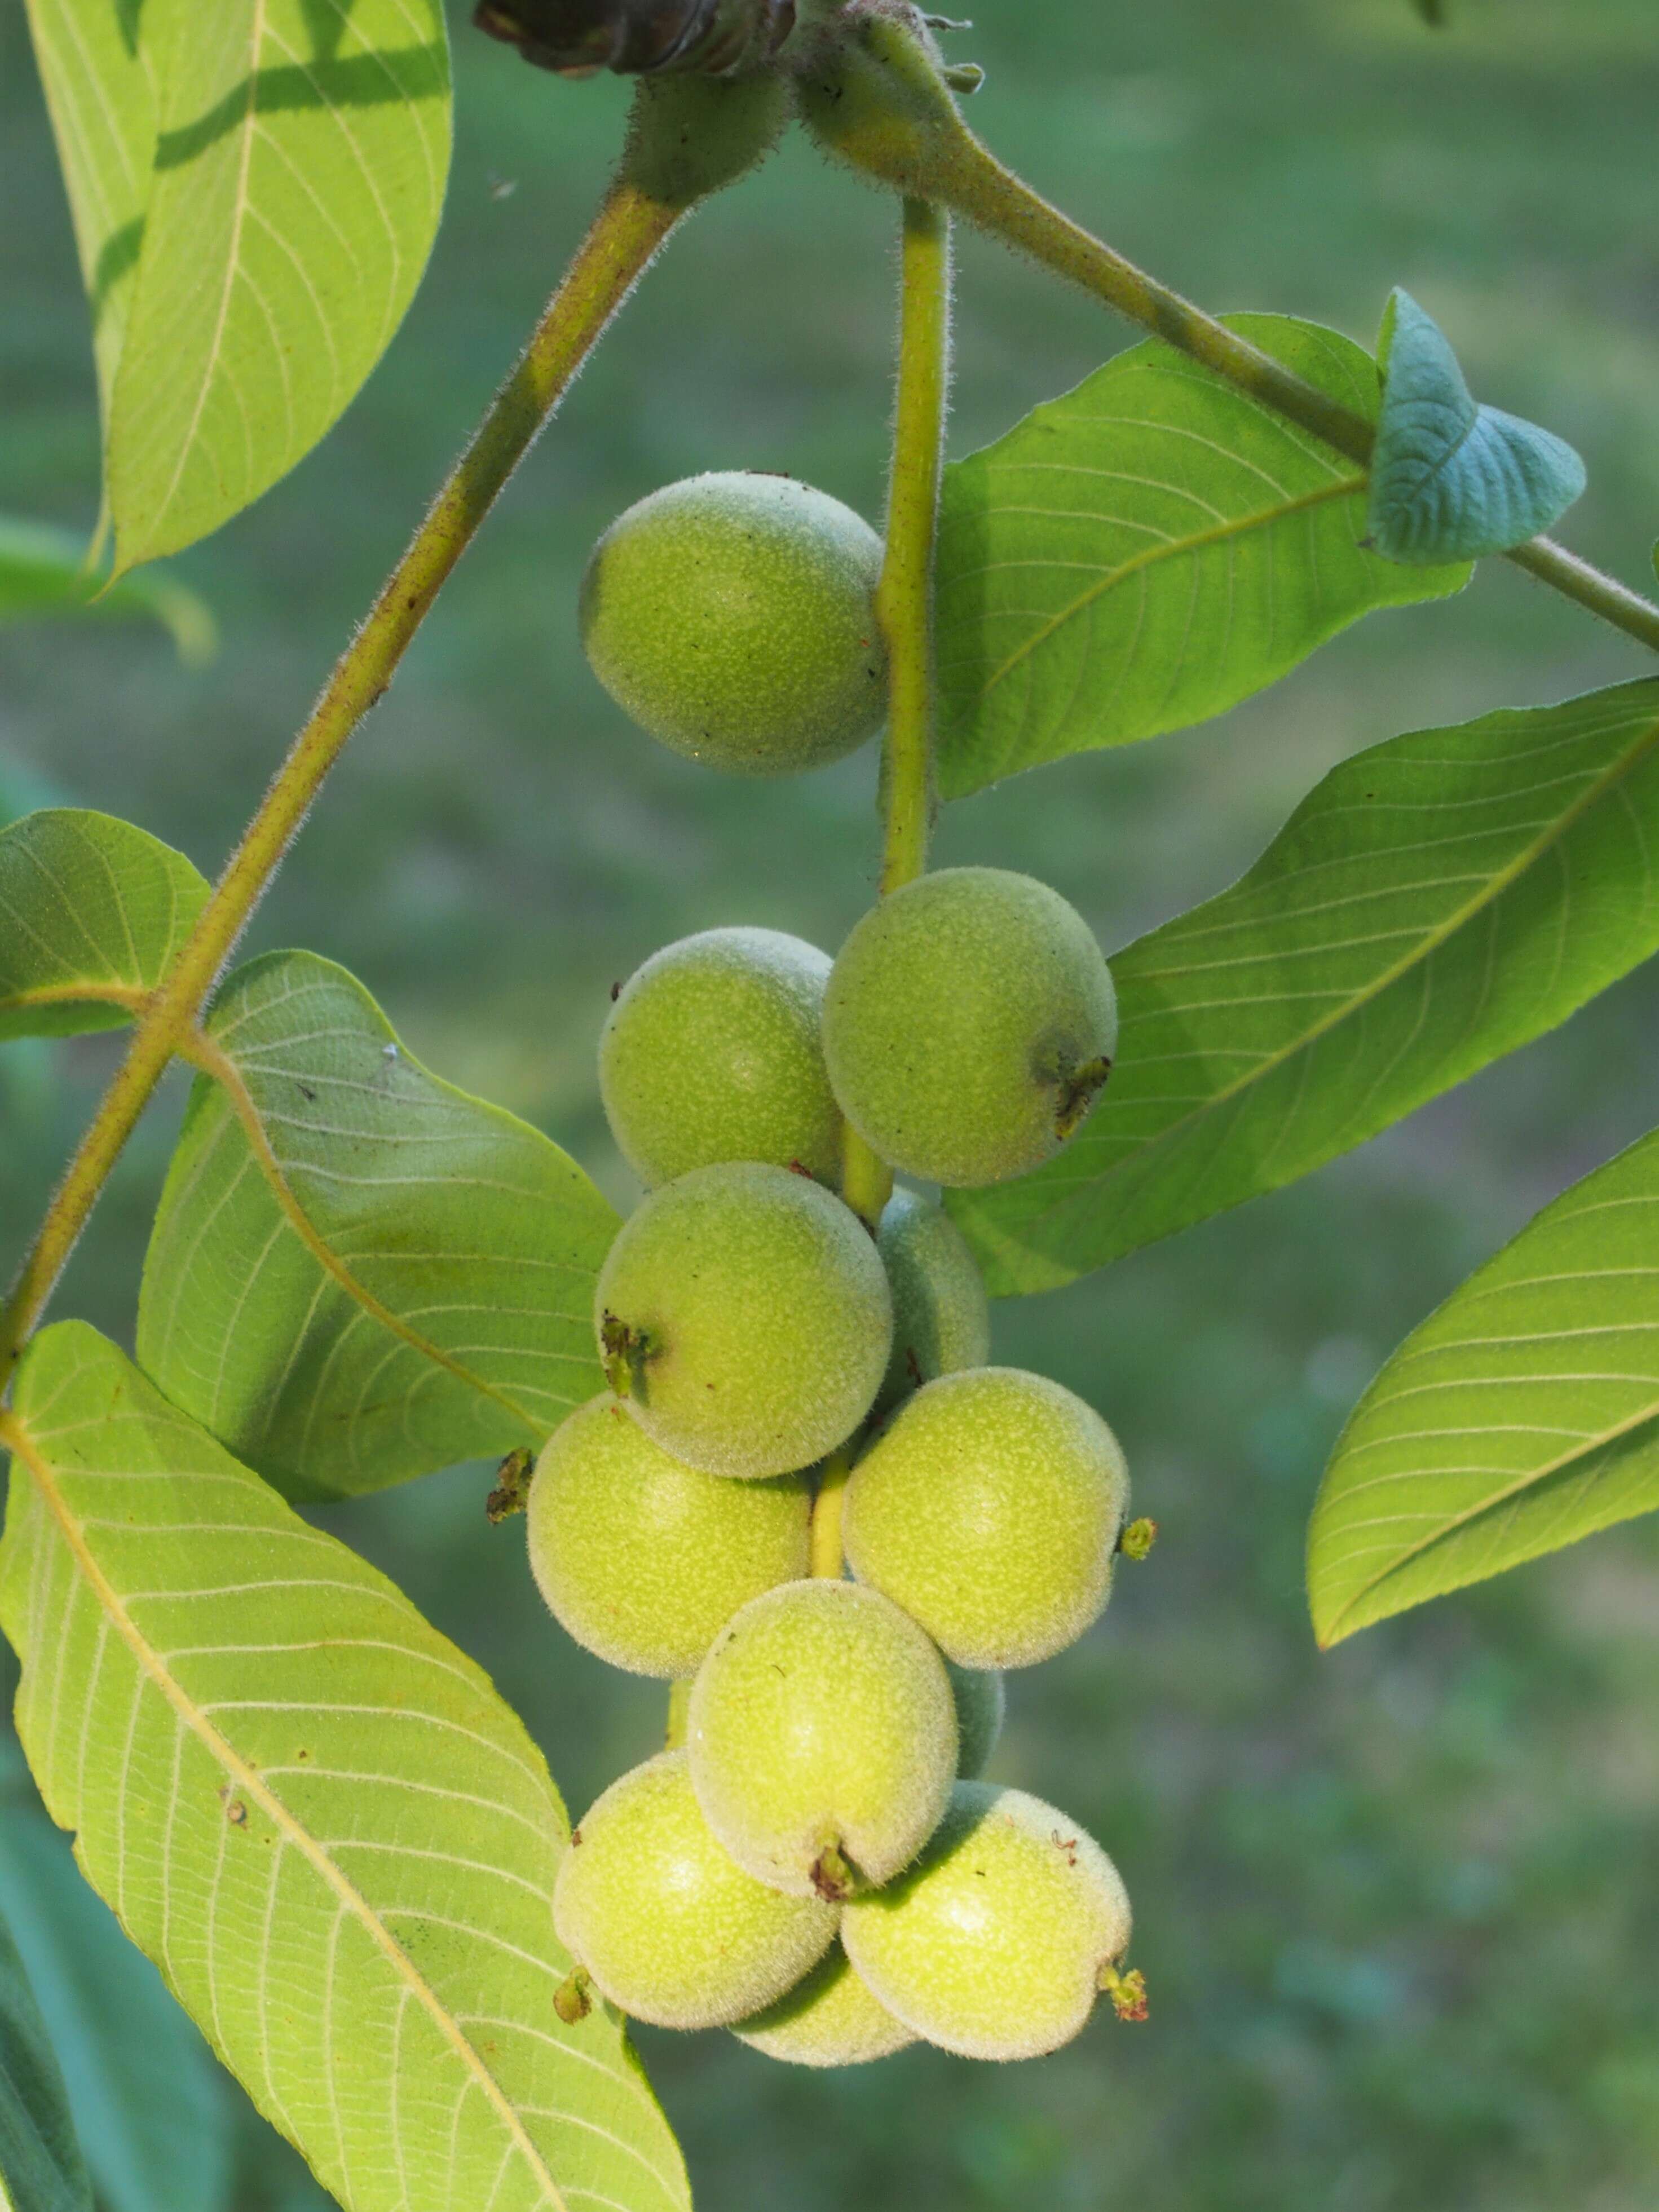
(656, 184)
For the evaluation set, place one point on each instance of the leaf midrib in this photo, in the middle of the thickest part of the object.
(14, 1433)
(1493, 888)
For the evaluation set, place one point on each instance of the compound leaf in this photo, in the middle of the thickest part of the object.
(1451, 480)
(310, 1809)
(300, 152)
(1521, 1416)
(146, 2097)
(1146, 551)
(97, 70)
(1436, 901)
(41, 2169)
(359, 1273)
(92, 911)
(44, 571)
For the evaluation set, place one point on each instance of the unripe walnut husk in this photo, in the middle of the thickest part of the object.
(669, 1927)
(743, 1315)
(970, 1023)
(733, 617)
(941, 1314)
(713, 1051)
(990, 1510)
(830, 2019)
(996, 1943)
(642, 1558)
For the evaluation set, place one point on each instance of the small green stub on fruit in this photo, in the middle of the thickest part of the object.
(573, 1998)
(1138, 1539)
(625, 1355)
(1078, 1093)
(832, 1875)
(1127, 1991)
(512, 1491)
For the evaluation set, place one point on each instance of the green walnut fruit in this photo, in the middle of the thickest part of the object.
(941, 1314)
(829, 2020)
(982, 1701)
(733, 617)
(743, 1314)
(643, 1559)
(667, 1925)
(997, 1941)
(822, 1737)
(991, 1511)
(970, 1022)
(714, 1051)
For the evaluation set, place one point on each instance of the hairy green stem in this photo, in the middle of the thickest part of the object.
(630, 227)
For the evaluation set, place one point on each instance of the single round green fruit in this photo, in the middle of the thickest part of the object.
(970, 1023)
(714, 1051)
(733, 617)
(822, 1737)
(743, 1314)
(667, 1926)
(990, 1510)
(994, 1943)
(829, 2020)
(643, 1559)
(941, 1314)
(982, 1701)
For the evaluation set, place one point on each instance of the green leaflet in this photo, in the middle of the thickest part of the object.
(1451, 480)
(359, 1273)
(1146, 551)
(92, 911)
(45, 571)
(310, 1810)
(1521, 1416)
(100, 87)
(147, 2099)
(1436, 901)
(41, 2169)
(300, 153)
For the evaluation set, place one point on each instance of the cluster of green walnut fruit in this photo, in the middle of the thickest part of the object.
(815, 1864)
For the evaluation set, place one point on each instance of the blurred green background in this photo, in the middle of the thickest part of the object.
(1399, 1906)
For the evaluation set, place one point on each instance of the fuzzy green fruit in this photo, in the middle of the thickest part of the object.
(970, 1021)
(713, 1051)
(994, 1944)
(744, 1315)
(643, 1559)
(941, 1314)
(981, 1702)
(667, 1926)
(990, 1510)
(823, 1738)
(829, 2020)
(733, 617)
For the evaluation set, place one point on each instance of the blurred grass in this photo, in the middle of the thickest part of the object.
(1399, 1906)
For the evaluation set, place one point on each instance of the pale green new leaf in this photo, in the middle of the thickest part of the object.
(1146, 551)
(44, 572)
(310, 1810)
(359, 1273)
(147, 2101)
(1521, 1416)
(41, 2169)
(301, 156)
(1436, 901)
(92, 911)
(95, 64)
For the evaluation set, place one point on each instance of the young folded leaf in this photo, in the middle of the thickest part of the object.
(359, 1273)
(1436, 901)
(301, 154)
(149, 2101)
(1522, 1416)
(92, 911)
(1452, 480)
(41, 2169)
(310, 1809)
(1148, 551)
